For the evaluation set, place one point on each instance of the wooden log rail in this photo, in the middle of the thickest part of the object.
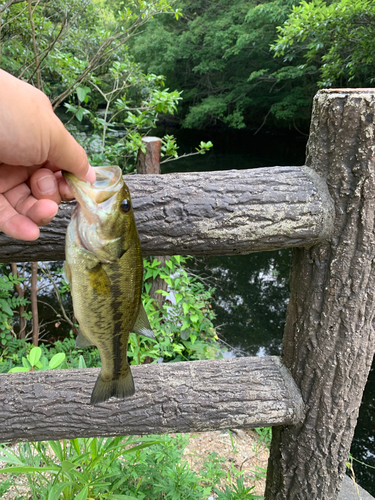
(176, 397)
(325, 210)
(211, 213)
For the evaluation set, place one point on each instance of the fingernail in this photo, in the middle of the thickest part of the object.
(47, 184)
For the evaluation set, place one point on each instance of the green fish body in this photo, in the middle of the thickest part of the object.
(105, 271)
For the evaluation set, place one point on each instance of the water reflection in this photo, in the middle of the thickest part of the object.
(250, 299)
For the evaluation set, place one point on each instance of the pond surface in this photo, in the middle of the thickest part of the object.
(252, 291)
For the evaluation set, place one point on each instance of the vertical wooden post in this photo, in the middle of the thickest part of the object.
(329, 339)
(149, 163)
(34, 301)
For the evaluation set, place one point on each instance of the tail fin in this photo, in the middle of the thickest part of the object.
(121, 388)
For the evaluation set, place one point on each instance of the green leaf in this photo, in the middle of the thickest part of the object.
(185, 325)
(56, 360)
(57, 449)
(185, 334)
(57, 489)
(82, 495)
(26, 363)
(118, 497)
(9, 458)
(25, 469)
(79, 114)
(4, 306)
(82, 92)
(18, 369)
(66, 465)
(81, 362)
(194, 318)
(75, 444)
(140, 447)
(34, 355)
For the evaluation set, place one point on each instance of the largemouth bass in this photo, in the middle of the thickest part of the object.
(104, 268)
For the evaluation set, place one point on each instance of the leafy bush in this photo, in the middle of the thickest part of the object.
(17, 355)
(147, 468)
(183, 326)
(8, 304)
(34, 361)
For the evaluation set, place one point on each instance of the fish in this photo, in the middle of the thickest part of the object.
(104, 268)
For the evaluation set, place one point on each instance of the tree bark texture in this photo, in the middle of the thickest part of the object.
(209, 213)
(329, 339)
(149, 162)
(175, 397)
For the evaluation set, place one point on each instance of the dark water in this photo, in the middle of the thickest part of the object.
(252, 291)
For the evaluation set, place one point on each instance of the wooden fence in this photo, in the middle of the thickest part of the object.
(311, 395)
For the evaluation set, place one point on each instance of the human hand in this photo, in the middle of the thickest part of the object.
(34, 148)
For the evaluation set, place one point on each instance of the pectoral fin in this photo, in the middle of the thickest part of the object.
(99, 279)
(67, 275)
(142, 325)
(82, 341)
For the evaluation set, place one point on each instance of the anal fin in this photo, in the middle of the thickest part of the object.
(121, 388)
(142, 325)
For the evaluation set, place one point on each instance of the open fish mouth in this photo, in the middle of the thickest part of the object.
(107, 184)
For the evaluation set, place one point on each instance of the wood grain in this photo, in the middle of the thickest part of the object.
(174, 397)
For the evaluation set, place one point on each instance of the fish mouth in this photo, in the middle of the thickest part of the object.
(108, 179)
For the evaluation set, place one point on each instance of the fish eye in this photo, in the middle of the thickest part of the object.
(125, 205)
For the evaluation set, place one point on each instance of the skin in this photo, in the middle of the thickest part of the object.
(34, 148)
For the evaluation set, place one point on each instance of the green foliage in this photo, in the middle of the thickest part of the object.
(8, 304)
(265, 435)
(238, 492)
(147, 468)
(219, 55)
(183, 326)
(34, 361)
(81, 60)
(83, 467)
(63, 354)
(211, 470)
(169, 149)
(337, 36)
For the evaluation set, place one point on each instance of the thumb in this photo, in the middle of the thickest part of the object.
(65, 153)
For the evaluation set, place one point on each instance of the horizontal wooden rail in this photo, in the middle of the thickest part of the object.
(174, 397)
(208, 213)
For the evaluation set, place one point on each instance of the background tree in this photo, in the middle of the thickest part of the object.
(219, 55)
(337, 37)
